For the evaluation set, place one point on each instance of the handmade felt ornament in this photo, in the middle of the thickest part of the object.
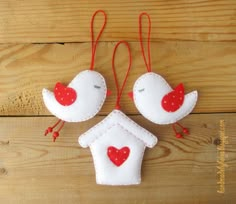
(155, 99)
(83, 98)
(117, 143)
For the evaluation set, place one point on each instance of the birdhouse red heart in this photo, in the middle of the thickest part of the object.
(172, 101)
(118, 156)
(64, 95)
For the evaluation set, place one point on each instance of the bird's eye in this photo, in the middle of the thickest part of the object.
(141, 90)
(97, 87)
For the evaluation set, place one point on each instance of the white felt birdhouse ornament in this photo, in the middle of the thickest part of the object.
(118, 143)
(83, 98)
(154, 97)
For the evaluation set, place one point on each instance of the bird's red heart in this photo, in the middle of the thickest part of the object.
(118, 156)
(64, 95)
(172, 101)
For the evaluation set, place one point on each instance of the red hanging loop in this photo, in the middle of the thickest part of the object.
(94, 43)
(148, 64)
(119, 91)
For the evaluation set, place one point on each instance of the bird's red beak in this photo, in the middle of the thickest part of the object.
(131, 95)
(109, 92)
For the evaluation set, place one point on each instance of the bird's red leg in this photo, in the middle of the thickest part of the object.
(56, 133)
(50, 129)
(185, 130)
(177, 134)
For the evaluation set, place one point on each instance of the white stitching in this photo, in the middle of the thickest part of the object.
(124, 116)
(94, 155)
(98, 107)
(97, 173)
(147, 116)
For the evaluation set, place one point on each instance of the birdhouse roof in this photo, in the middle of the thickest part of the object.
(116, 117)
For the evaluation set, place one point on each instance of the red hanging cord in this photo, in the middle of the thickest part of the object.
(94, 43)
(119, 91)
(148, 64)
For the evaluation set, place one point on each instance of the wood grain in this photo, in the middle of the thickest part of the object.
(193, 41)
(27, 68)
(36, 170)
(69, 21)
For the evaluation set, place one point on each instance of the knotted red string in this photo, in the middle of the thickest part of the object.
(148, 64)
(94, 43)
(119, 91)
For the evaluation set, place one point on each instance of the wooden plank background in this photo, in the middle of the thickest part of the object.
(26, 69)
(45, 41)
(68, 21)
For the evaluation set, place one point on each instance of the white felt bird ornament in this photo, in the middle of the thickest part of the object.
(82, 99)
(156, 100)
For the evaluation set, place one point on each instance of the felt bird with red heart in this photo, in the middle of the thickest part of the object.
(159, 103)
(154, 97)
(81, 100)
